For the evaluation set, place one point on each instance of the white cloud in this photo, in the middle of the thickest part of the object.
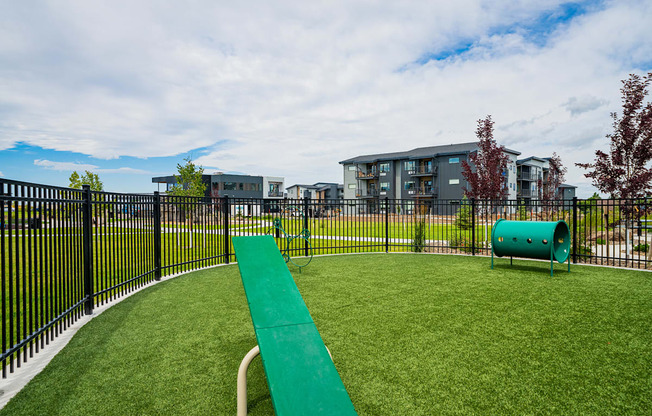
(579, 105)
(72, 166)
(292, 88)
(2, 174)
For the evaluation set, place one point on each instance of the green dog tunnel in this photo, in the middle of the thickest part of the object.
(548, 240)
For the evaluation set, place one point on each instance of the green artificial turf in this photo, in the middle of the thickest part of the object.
(410, 335)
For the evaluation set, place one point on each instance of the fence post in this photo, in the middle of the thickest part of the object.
(574, 229)
(386, 224)
(87, 228)
(157, 235)
(306, 248)
(473, 226)
(225, 218)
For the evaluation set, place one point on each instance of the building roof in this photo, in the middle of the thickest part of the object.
(538, 159)
(565, 185)
(420, 153)
(317, 185)
(173, 179)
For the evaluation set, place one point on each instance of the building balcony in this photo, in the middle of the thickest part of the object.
(527, 176)
(366, 175)
(429, 192)
(525, 193)
(275, 194)
(367, 193)
(423, 171)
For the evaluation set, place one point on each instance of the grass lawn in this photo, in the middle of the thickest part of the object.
(410, 335)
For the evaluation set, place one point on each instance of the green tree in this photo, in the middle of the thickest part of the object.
(189, 184)
(88, 178)
(463, 218)
(189, 180)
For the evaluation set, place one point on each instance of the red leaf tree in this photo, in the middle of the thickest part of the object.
(485, 173)
(549, 190)
(624, 171)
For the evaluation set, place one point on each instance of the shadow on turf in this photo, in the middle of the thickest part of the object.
(535, 269)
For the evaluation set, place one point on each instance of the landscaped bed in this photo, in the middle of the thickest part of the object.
(410, 334)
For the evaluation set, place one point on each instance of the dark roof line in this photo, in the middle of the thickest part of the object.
(539, 159)
(421, 152)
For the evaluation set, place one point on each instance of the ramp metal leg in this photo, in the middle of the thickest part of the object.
(242, 379)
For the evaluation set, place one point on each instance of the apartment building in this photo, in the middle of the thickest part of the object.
(423, 174)
(327, 195)
(235, 186)
(320, 191)
(533, 172)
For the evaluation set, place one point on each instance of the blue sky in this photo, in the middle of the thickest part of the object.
(129, 89)
(122, 174)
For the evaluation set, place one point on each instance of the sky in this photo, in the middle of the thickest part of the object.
(129, 89)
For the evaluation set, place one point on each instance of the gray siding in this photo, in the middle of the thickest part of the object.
(398, 184)
(404, 177)
(388, 178)
(446, 172)
(349, 178)
(218, 181)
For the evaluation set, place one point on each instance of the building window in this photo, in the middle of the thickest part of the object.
(409, 165)
(351, 186)
(453, 160)
(453, 181)
(384, 186)
(241, 186)
(352, 168)
(384, 167)
(409, 185)
(229, 186)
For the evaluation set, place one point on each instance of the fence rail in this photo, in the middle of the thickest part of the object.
(66, 251)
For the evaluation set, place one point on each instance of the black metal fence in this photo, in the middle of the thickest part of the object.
(66, 251)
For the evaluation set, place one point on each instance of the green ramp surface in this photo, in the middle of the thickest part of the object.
(301, 376)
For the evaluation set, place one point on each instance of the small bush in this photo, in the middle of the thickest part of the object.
(600, 241)
(642, 248)
(463, 218)
(522, 212)
(419, 239)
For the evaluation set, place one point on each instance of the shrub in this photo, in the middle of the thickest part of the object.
(419, 238)
(642, 248)
(522, 211)
(600, 241)
(463, 218)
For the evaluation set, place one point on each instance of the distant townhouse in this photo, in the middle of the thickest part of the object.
(320, 191)
(218, 185)
(533, 172)
(235, 186)
(325, 196)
